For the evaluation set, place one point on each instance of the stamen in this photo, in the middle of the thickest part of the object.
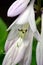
(26, 30)
(22, 32)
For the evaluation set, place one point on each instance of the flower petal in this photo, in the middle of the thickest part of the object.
(12, 25)
(20, 55)
(28, 53)
(42, 26)
(17, 7)
(39, 49)
(31, 19)
(37, 35)
(27, 15)
(39, 53)
(23, 18)
(12, 52)
(12, 37)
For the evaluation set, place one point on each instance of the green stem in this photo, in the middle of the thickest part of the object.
(38, 20)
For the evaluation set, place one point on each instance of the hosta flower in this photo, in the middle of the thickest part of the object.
(17, 7)
(28, 16)
(39, 49)
(18, 45)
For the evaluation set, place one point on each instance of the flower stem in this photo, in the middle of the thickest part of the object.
(38, 20)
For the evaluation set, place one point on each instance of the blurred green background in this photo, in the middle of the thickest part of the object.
(3, 36)
(6, 21)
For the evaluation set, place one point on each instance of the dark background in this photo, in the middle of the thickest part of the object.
(4, 5)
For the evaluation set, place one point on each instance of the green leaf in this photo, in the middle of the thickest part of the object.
(34, 52)
(3, 35)
(1, 58)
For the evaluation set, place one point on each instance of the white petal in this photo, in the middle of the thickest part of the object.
(37, 35)
(31, 19)
(39, 53)
(32, 2)
(17, 7)
(20, 54)
(12, 53)
(28, 36)
(23, 18)
(32, 23)
(12, 25)
(12, 37)
(28, 53)
(27, 58)
(42, 26)
(39, 49)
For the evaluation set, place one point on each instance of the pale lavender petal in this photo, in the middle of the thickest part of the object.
(39, 49)
(37, 36)
(12, 53)
(8, 44)
(17, 7)
(8, 57)
(39, 53)
(42, 25)
(12, 37)
(20, 54)
(22, 19)
(31, 20)
(32, 23)
(28, 53)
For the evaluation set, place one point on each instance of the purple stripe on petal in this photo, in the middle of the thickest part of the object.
(9, 44)
(17, 7)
